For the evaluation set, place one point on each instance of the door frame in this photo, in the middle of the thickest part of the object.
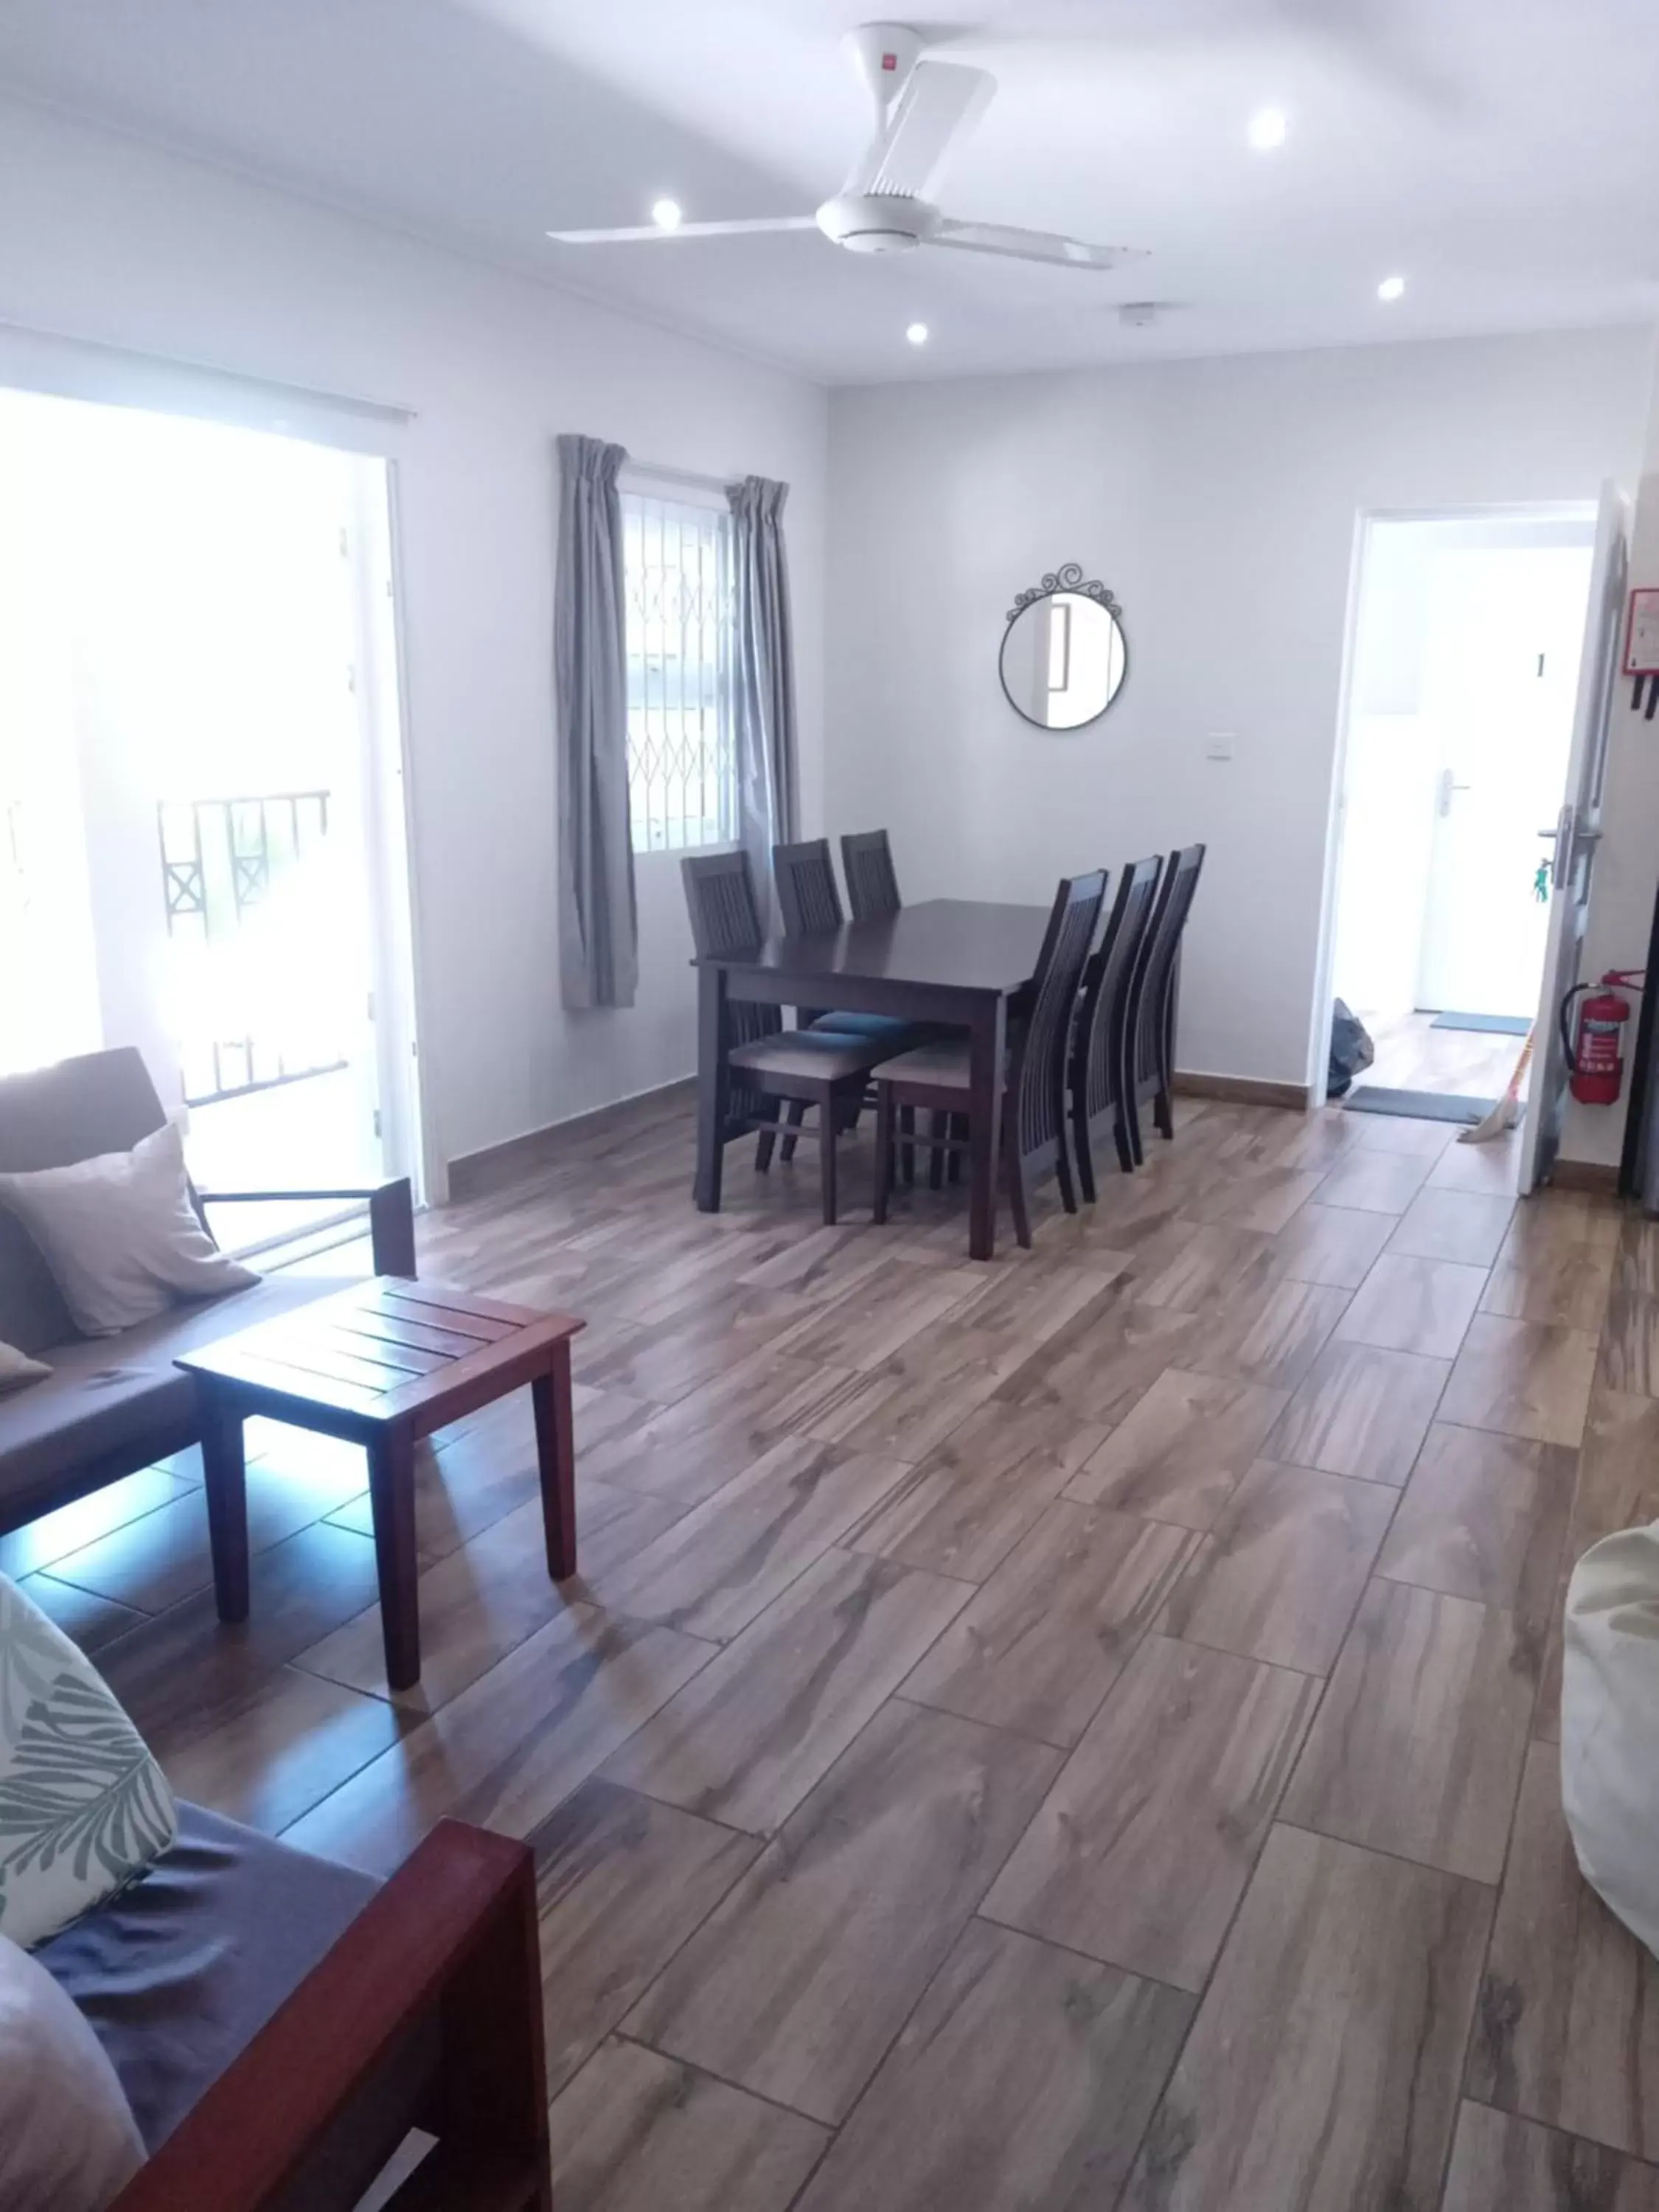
(1321, 1009)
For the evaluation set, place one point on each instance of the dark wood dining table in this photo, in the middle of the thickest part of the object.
(960, 962)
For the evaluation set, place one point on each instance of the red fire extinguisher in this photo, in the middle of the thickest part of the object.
(1595, 1059)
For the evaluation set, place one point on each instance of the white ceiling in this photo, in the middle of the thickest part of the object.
(1504, 154)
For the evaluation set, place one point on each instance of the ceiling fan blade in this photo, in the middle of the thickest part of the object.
(1032, 246)
(641, 231)
(939, 107)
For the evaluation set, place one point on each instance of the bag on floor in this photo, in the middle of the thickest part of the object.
(1610, 1724)
(1351, 1050)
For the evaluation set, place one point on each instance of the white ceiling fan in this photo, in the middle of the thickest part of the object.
(924, 110)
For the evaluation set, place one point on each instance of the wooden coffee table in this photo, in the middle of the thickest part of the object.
(383, 1365)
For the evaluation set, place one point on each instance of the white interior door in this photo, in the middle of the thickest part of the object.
(1572, 841)
(1500, 683)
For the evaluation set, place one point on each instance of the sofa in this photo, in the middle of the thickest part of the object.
(112, 1405)
(280, 2023)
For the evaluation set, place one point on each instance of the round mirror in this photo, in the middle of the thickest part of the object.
(1064, 657)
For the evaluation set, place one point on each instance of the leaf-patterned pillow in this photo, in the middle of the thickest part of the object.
(83, 1806)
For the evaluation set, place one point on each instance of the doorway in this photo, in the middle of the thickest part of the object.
(1463, 676)
(201, 788)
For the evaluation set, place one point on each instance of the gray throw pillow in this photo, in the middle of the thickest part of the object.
(17, 1370)
(83, 1806)
(68, 2140)
(120, 1235)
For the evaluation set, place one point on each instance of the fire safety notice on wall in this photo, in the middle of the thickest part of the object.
(1641, 647)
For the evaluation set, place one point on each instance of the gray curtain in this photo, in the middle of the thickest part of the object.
(599, 924)
(763, 676)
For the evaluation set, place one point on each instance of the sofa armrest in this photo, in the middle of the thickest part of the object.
(448, 1946)
(391, 1217)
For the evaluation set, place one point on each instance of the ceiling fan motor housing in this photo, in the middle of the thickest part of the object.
(877, 223)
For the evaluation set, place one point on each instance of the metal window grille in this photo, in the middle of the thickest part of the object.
(682, 779)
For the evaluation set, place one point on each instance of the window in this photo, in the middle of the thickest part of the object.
(682, 779)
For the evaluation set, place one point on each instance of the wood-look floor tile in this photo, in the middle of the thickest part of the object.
(720, 1566)
(1105, 1358)
(73, 1528)
(480, 1601)
(1630, 1338)
(86, 1619)
(635, 2132)
(508, 1750)
(1143, 1847)
(1361, 1411)
(1263, 1198)
(1484, 1516)
(1492, 1168)
(795, 1986)
(161, 1558)
(1281, 1576)
(1024, 2079)
(1374, 1181)
(1453, 1224)
(1405, 1135)
(1419, 1744)
(1271, 1335)
(1619, 1466)
(186, 1670)
(1550, 1274)
(268, 1756)
(953, 1366)
(870, 1323)
(687, 1451)
(1180, 1454)
(963, 1510)
(1500, 2164)
(1413, 1305)
(771, 1714)
(1334, 1245)
(1528, 1378)
(1568, 2026)
(464, 1486)
(621, 1882)
(1049, 1633)
(1322, 2070)
(1192, 1267)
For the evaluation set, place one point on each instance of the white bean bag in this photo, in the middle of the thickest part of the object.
(1610, 1724)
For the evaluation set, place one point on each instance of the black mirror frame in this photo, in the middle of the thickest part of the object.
(1068, 577)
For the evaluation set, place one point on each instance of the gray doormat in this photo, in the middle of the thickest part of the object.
(1418, 1105)
(1490, 1025)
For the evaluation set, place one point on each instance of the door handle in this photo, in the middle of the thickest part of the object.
(1447, 788)
(1561, 858)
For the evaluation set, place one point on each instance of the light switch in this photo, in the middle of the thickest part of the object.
(1218, 746)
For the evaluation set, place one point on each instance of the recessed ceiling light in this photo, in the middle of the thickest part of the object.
(917, 333)
(1392, 288)
(1268, 129)
(665, 213)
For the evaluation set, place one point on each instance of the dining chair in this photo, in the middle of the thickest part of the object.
(1095, 1077)
(809, 902)
(1034, 1076)
(769, 1065)
(866, 860)
(1149, 1058)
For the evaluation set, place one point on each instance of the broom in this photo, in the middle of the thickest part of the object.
(1506, 1113)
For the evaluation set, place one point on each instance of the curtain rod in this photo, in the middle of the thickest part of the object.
(679, 476)
(346, 402)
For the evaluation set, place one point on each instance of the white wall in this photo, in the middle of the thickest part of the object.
(1627, 861)
(1219, 500)
(108, 239)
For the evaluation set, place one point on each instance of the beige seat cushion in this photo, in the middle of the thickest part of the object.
(124, 1393)
(942, 1067)
(809, 1056)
